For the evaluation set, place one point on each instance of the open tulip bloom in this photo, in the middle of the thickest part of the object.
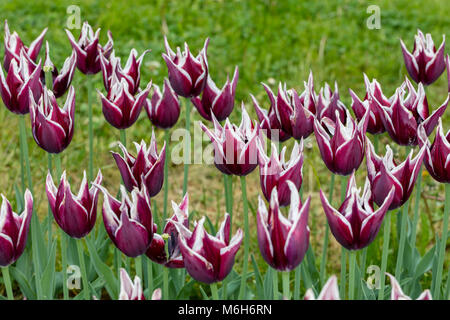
(74, 214)
(424, 64)
(330, 291)
(52, 126)
(88, 49)
(208, 258)
(397, 292)
(283, 241)
(356, 224)
(187, 74)
(62, 79)
(329, 104)
(235, 148)
(163, 109)
(157, 251)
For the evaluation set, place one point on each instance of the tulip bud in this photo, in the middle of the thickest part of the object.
(397, 292)
(61, 80)
(330, 291)
(329, 105)
(163, 109)
(128, 289)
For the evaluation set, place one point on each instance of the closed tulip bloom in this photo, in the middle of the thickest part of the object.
(437, 154)
(147, 168)
(163, 109)
(157, 251)
(384, 173)
(341, 145)
(424, 64)
(275, 172)
(130, 290)
(52, 127)
(14, 47)
(372, 100)
(330, 291)
(129, 222)
(88, 49)
(63, 78)
(404, 115)
(208, 258)
(187, 74)
(356, 224)
(283, 241)
(398, 294)
(216, 101)
(268, 119)
(235, 148)
(120, 108)
(22, 77)
(14, 230)
(328, 103)
(74, 214)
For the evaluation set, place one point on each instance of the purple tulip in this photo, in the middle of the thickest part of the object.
(130, 290)
(425, 64)
(283, 241)
(437, 154)
(187, 74)
(397, 292)
(328, 103)
(216, 101)
(356, 224)
(88, 49)
(147, 168)
(163, 109)
(75, 214)
(14, 47)
(235, 148)
(403, 116)
(341, 146)
(330, 291)
(274, 172)
(383, 174)
(129, 222)
(52, 126)
(14, 230)
(61, 80)
(373, 101)
(157, 252)
(208, 258)
(120, 108)
(22, 77)
(268, 120)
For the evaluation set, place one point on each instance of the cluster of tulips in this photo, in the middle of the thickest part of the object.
(32, 86)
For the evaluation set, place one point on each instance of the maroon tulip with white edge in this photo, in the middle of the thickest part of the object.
(163, 109)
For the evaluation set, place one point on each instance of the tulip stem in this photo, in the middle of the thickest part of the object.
(83, 270)
(442, 244)
(323, 261)
(227, 182)
(363, 267)
(384, 256)
(138, 266)
(416, 212)
(123, 137)
(166, 283)
(343, 250)
(166, 173)
(352, 270)
(243, 287)
(275, 284)
(214, 292)
(187, 146)
(49, 211)
(401, 248)
(64, 264)
(90, 128)
(150, 276)
(7, 282)
(285, 278)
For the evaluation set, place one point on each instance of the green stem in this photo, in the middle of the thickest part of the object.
(49, 210)
(138, 266)
(64, 263)
(416, 212)
(363, 268)
(150, 276)
(352, 270)
(90, 128)
(166, 172)
(187, 147)
(323, 261)
(123, 137)
(165, 283)
(83, 270)
(243, 287)
(214, 292)
(298, 272)
(7, 281)
(343, 250)
(442, 244)
(285, 278)
(275, 284)
(385, 252)
(401, 248)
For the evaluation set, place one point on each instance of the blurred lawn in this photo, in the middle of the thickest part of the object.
(270, 41)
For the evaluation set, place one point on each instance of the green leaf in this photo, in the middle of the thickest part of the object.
(26, 287)
(205, 296)
(425, 263)
(258, 279)
(268, 284)
(48, 275)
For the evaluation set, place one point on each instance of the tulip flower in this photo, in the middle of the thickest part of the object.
(356, 224)
(235, 148)
(397, 292)
(383, 174)
(275, 172)
(341, 146)
(163, 109)
(208, 258)
(403, 116)
(75, 214)
(14, 230)
(147, 168)
(330, 291)
(14, 47)
(268, 120)
(131, 72)
(187, 74)
(328, 103)
(437, 154)
(129, 222)
(128, 289)
(424, 64)
(88, 49)
(22, 77)
(120, 108)
(63, 78)
(283, 241)
(216, 101)
(373, 99)
(157, 252)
